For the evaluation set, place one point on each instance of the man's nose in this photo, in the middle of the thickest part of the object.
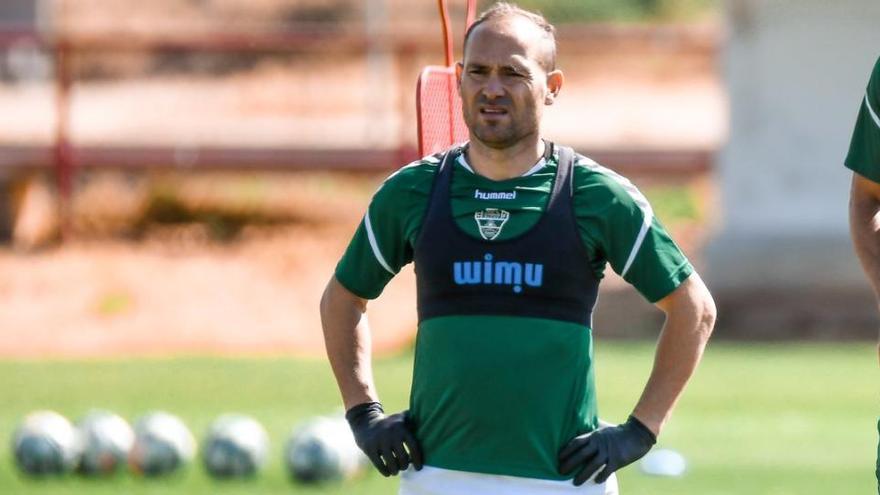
(493, 87)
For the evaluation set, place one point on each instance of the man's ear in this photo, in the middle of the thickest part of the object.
(459, 67)
(554, 86)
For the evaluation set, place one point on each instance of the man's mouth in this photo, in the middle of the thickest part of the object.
(493, 110)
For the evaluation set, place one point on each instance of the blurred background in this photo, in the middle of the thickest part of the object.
(178, 179)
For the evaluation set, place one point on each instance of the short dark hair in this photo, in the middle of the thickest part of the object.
(502, 10)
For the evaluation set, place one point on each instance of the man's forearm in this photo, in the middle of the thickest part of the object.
(689, 323)
(864, 210)
(865, 229)
(348, 344)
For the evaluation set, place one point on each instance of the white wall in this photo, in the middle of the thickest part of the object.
(796, 71)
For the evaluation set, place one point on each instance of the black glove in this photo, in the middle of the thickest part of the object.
(383, 438)
(608, 450)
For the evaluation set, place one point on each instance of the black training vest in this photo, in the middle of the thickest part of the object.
(542, 273)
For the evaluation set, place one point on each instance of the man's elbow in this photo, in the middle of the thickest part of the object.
(707, 315)
(694, 299)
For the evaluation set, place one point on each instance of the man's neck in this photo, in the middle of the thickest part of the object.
(507, 163)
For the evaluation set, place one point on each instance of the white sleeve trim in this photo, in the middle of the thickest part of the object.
(635, 250)
(374, 245)
(871, 111)
(640, 200)
(430, 160)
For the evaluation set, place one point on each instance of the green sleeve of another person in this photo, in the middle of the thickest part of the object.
(864, 149)
(383, 242)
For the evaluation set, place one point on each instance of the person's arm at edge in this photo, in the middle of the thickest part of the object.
(348, 343)
(864, 224)
(690, 319)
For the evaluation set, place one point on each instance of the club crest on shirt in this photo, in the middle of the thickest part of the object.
(490, 222)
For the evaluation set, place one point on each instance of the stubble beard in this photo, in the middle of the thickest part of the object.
(498, 135)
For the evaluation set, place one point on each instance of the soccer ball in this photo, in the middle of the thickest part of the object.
(106, 441)
(323, 449)
(45, 444)
(163, 444)
(236, 446)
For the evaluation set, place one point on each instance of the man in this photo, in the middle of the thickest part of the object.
(864, 205)
(510, 235)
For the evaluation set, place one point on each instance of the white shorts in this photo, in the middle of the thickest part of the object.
(436, 481)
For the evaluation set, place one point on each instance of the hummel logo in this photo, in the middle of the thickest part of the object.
(494, 195)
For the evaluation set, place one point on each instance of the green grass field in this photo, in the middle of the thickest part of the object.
(757, 419)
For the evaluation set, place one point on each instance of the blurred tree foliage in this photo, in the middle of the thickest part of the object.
(563, 11)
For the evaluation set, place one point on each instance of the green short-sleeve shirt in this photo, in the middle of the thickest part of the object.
(501, 394)
(864, 149)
